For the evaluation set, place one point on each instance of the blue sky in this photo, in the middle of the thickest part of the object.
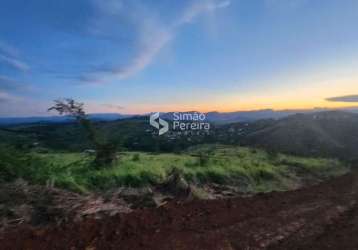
(163, 55)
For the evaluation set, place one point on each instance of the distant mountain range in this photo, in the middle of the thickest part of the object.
(253, 115)
(60, 119)
(214, 117)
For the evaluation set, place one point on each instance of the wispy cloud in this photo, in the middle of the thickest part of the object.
(7, 82)
(153, 36)
(10, 84)
(200, 7)
(15, 106)
(149, 48)
(347, 98)
(97, 107)
(6, 97)
(9, 57)
(113, 106)
(7, 49)
(14, 63)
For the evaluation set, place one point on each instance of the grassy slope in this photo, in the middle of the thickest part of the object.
(251, 169)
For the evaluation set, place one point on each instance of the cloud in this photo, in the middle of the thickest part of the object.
(88, 78)
(4, 80)
(347, 98)
(15, 106)
(9, 57)
(111, 7)
(148, 49)
(8, 50)
(7, 83)
(14, 63)
(95, 107)
(113, 106)
(200, 7)
(6, 97)
(3, 97)
(153, 36)
(10, 84)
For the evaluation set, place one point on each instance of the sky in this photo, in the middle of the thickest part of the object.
(139, 56)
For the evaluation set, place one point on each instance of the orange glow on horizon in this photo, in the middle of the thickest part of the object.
(236, 108)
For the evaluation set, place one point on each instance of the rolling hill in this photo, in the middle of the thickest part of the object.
(328, 134)
(332, 133)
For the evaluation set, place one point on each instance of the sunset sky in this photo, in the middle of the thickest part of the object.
(163, 55)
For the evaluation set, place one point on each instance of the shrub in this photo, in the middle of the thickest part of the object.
(203, 159)
(136, 157)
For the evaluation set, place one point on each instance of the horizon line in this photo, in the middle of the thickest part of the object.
(190, 111)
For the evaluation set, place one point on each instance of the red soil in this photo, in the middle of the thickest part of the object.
(320, 217)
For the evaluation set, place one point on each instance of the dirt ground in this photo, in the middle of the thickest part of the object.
(319, 217)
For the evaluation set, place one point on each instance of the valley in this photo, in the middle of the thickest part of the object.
(237, 177)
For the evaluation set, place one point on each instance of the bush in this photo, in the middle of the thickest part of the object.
(105, 155)
(203, 159)
(136, 157)
(15, 164)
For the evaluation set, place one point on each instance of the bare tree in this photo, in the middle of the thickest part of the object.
(70, 107)
(105, 152)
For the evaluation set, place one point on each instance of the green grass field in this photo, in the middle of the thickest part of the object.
(252, 170)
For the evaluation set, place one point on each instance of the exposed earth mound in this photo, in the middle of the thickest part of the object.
(319, 217)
